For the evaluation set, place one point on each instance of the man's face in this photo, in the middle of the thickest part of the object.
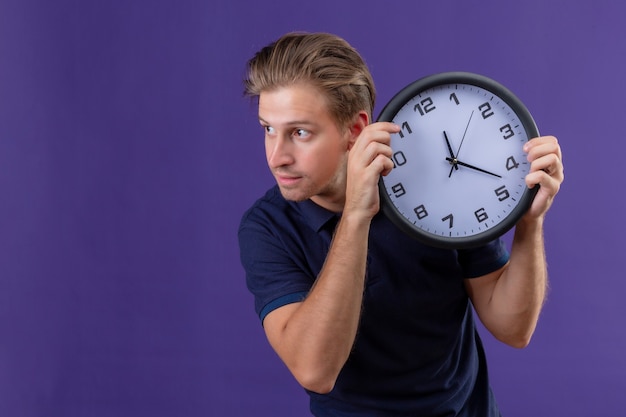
(305, 150)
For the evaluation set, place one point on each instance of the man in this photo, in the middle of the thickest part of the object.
(369, 321)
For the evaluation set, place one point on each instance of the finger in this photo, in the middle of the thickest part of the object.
(550, 163)
(548, 188)
(386, 164)
(549, 182)
(374, 150)
(538, 147)
(370, 136)
(386, 126)
(543, 179)
(540, 140)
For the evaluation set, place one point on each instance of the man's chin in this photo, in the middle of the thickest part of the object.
(293, 195)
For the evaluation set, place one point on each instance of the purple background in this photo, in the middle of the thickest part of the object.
(127, 156)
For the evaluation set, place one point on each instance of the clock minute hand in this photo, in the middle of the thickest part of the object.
(457, 162)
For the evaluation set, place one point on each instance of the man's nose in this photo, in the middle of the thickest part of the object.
(279, 153)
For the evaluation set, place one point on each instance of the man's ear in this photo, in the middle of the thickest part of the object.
(356, 127)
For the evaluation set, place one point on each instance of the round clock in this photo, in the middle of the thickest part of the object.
(459, 169)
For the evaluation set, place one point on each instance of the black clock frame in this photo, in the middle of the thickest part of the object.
(409, 92)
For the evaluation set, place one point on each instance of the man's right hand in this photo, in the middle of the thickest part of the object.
(369, 158)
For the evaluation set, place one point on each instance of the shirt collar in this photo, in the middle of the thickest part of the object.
(315, 215)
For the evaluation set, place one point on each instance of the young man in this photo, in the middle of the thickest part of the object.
(369, 321)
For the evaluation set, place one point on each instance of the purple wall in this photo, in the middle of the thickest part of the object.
(127, 156)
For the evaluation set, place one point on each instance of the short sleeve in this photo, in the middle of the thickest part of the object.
(273, 274)
(483, 260)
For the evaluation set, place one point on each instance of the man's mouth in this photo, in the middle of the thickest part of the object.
(286, 180)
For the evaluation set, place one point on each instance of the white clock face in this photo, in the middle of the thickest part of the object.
(459, 165)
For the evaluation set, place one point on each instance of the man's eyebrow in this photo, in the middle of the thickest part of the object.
(292, 122)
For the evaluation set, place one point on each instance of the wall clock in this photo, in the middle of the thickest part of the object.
(459, 169)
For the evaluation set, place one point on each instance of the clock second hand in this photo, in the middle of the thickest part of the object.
(464, 133)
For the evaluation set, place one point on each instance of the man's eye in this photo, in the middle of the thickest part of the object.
(269, 130)
(301, 133)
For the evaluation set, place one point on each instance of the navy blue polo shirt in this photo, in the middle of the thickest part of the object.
(417, 351)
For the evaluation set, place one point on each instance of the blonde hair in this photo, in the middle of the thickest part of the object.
(325, 61)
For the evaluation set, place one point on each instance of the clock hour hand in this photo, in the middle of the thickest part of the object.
(456, 162)
(454, 165)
